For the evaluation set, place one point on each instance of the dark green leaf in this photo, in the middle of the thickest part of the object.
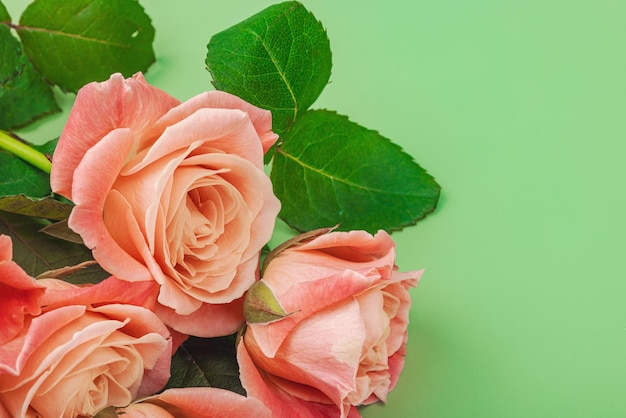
(278, 59)
(24, 96)
(74, 42)
(62, 231)
(19, 177)
(206, 362)
(331, 171)
(47, 207)
(37, 252)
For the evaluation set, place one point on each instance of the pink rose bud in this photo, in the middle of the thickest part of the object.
(171, 192)
(327, 326)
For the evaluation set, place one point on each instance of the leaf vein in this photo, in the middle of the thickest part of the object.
(281, 73)
(345, 181)
(76, 36)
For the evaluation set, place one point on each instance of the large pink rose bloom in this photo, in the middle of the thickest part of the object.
(172, 192)
(344, 343)
(70, 351)
(196, 403)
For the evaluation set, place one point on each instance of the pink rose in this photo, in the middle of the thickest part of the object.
(74, 359)
(19, 293)
(343, 343)
(172, 192)
(196, 403)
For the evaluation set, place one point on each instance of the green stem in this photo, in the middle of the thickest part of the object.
(25, 152)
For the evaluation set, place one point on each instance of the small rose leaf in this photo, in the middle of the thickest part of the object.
(62, 231)
(37, 252)
(46, 207)
(260, 305)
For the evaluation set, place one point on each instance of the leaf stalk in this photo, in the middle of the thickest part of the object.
(25, 152)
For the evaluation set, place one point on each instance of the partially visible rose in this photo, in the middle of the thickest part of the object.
(344, 342)
(73, 358)
(171, 192)
(19, 293)
(196, 402)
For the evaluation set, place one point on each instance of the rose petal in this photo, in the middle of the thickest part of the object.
(305, 298)
(279, 402)
(228, 130)
(20, 294)
(100, 166)
(260, 118)
(111, 290)
(211, 320)
(13, 356)
(120, 103)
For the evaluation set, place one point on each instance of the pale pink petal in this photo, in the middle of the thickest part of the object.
(356, 246)
(327, 289)
(99, 109)
(260, 118)
(6, 248)
(304, 297)
(111, 290)
(100, 165)
(13, 357)
(211, 320)
(20, 294)
(329, 364)
(281, 404)
(210, 402)
(223, 130)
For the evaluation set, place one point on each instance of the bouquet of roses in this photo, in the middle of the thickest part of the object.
(135, 273)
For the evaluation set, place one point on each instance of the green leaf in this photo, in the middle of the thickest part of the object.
(24, 96)
(19, 177)
(206, 362)
(330, 171)
(74, 42)
(108, 412)
(37, 252)
(62, 231)
(278, 59)
(47, 148)
(261, 306)
(47, 207)
(4, 14)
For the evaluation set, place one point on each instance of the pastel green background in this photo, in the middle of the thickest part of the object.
(517, 108)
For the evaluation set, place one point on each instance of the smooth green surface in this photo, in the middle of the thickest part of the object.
(279, 59)
(329, 171)
(101, 36)
(518, 108)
